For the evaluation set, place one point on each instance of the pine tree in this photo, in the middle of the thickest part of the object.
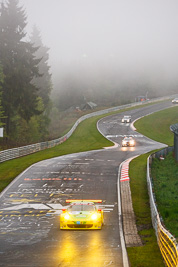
(43, 82)
(1, 108)
(19, 65)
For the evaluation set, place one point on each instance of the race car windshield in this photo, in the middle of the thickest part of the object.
(81, 208)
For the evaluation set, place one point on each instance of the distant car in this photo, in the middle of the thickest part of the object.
(82, 214)
(126, 119)
(128, 141)
(175, 101)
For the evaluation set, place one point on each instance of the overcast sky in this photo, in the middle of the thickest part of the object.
(138, 38)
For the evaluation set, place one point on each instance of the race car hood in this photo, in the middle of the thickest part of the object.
(80, 214)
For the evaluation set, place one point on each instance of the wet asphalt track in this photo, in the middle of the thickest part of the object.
(30, 208)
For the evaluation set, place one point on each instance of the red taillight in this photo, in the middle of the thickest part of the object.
(99, 209)
(63, 210)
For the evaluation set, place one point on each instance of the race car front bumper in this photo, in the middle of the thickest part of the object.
(80, 225)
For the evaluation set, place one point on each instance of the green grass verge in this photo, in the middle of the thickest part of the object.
(85, 138)
(148, 254)
(165, 174)
(157, 126)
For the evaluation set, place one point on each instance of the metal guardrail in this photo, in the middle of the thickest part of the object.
(163, 152)
(26, 150)
(166, 241)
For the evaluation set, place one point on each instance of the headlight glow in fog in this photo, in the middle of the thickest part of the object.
(94, 216)
(67, 217)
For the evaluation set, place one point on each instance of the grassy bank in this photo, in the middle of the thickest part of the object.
(165, 174)
(157, 125)
(140, 256)
(85, 138)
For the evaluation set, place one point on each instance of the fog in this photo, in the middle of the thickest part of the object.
(131, 42)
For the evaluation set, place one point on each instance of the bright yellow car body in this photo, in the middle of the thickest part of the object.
(82, 215)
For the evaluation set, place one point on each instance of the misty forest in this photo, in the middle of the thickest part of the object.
(33, 108)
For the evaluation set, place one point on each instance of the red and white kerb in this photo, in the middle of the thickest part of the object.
(125, 171)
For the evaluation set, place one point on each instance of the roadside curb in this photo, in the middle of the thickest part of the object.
(123, 247)
(132, 238)
(127, 226)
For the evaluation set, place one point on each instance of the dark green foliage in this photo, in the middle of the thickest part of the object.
(32, 131)
(1, 111)
(1, 108)
(43, 82)
(19, 65)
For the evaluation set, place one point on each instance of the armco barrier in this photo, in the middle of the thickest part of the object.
(166, 241)
(25, 150)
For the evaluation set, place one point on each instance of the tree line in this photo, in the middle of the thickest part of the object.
(27, 99)
(25, 79)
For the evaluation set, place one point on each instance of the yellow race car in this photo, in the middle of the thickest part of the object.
(82, 214)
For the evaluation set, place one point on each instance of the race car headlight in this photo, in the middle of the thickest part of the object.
(66, 216)
(94, 216)
(132, 142)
